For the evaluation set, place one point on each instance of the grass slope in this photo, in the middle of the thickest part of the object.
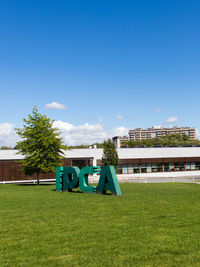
(150, 225)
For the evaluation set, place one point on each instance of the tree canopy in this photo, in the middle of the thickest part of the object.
(110, 155)
(40, 144)
(167, 140)
(6, 148)
(98, 145)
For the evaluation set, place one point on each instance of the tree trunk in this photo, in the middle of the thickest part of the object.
(38, 178)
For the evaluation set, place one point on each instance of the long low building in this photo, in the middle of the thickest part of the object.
(131, 161)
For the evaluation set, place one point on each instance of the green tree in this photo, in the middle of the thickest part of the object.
(40, 144)
(110, 155)
(6, 148)
(167, 140)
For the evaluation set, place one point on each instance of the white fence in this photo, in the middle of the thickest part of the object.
(162, 177)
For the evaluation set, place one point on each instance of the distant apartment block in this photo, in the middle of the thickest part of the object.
(124, 138)
(140, 134)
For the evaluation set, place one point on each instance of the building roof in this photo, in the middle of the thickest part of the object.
(124, 153)
(138, 153)
(155, 152)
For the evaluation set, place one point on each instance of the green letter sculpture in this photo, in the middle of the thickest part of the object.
(59, 179)
(68, 178)
(108, 181)
(83, 178)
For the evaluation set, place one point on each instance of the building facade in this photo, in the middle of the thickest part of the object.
(124, 138)
(132, 161)
(140, 134)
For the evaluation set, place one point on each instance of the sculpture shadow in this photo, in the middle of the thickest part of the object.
(73, 191)
(107, 193)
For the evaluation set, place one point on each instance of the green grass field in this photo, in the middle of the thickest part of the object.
(149, 225)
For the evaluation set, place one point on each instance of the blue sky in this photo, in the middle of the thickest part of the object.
(111, 63)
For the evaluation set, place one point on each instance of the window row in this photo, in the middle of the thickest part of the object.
(161, 167)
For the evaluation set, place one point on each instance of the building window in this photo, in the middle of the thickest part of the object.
(149, 168)
(125, 169)
(176, 166)
(171, 167)
(159, 167)
(119, 169)
(154, 167)
(136, 168)
(192, 166)
(143, 168)
(166, 167)
(197, 165)
(130, 168)
(187, 166)
(181, 166)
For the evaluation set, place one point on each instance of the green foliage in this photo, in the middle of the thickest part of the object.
(167, 140)
(80, 146)
(110, 155)
(40, 144)
(98, 145)
(5, 148)
(149, 225)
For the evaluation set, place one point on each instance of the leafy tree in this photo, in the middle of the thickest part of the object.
(74, 147)
(110, 155)
(167, 140)
(98, 145)
(6, 148)
(40, 144)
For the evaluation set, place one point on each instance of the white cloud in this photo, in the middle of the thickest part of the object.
(71, 134)
(119, 131)
(87, 133)
(55, 105)
(100, 120)
(8, 136)
(119, 117)
(171, 120)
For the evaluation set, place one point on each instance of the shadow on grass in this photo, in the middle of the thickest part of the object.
(77, 191)
(80, 192)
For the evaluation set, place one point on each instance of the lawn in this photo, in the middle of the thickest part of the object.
(149, 225)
